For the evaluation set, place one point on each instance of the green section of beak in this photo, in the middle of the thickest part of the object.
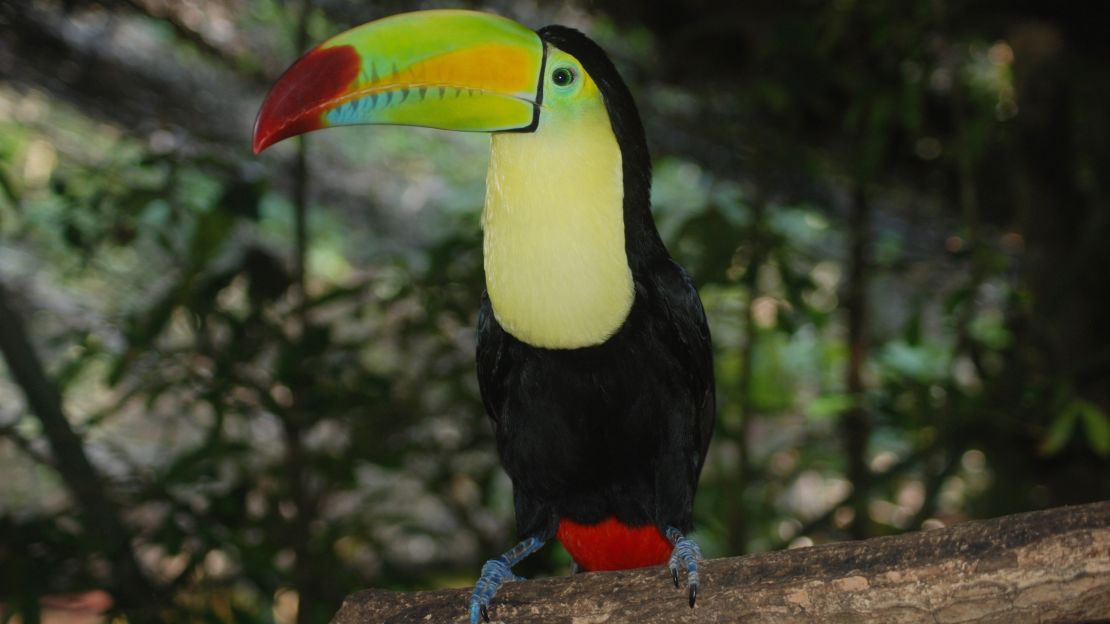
(455, 70)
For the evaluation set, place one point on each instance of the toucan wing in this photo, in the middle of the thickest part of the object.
(691, 344)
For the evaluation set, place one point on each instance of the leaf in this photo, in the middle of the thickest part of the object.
(210, 232)
(1096, 424)
(8, 186)
(241, 198)
(924, 363)
(1058, 433)
(828, 406)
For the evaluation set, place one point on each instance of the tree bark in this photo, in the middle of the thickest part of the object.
(1044, 566)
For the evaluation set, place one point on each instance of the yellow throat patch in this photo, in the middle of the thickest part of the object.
(556, 269)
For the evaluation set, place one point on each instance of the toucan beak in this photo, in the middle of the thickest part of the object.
(455, 70)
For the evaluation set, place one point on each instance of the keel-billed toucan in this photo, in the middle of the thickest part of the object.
(594, 359)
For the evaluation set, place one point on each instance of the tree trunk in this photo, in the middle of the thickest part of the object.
(104, 524)
(1045, 566)
(855, 422)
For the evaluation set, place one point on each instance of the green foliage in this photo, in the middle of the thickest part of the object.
(1084, 416)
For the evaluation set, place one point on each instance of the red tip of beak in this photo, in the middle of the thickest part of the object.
(298, 100)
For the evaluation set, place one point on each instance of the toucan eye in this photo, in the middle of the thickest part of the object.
(562, 76)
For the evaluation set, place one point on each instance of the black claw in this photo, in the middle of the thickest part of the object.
(485, 612)
(674, 576)
(693, 595)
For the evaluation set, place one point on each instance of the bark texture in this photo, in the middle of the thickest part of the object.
(1045, 566)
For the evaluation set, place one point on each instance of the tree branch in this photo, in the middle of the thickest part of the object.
(855, 422)
(83, 481)
(229, 53)
(11, 433)
(1045, 566)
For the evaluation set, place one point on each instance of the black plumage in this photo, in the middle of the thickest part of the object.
(621, 428)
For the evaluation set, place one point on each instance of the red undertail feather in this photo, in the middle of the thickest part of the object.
(612, 545)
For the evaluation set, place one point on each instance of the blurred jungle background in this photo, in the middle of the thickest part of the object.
(235, 389)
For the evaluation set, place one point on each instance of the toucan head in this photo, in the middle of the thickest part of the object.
(448, 69)
(567, 215)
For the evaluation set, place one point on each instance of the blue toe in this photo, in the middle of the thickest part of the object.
(495, 573)
(686, 554)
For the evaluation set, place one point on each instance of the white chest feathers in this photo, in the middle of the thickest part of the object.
(556, 269)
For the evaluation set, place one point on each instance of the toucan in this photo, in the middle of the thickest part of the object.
(593, 351)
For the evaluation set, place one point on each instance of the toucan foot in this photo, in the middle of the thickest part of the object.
(686, 554)
(495, 573)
